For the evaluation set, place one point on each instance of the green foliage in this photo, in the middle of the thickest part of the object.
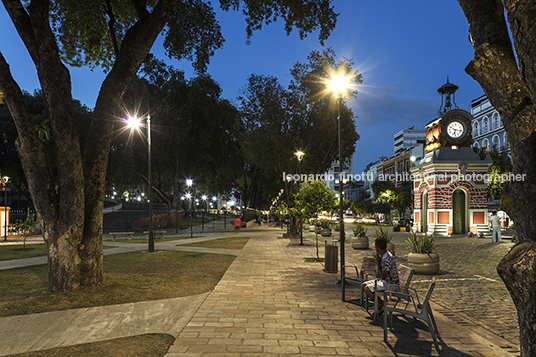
(27, 226)
(388, 194)
(359, 230)
(423, 244)
(325, 225)
(380, 233)
(337, 228)
(91, 32)
(314, 197)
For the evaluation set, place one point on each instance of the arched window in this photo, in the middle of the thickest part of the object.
(476, 145)
(485, 143)
(496, 142)
(496, 122)
(485, 126)
(505, 141)
(475, 128)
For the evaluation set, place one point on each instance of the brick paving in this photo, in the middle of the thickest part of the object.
(271, 302)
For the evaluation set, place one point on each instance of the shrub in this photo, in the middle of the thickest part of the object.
(380, 233)
(359, 231)
(421, 244)
(337, 228)
(324, 224)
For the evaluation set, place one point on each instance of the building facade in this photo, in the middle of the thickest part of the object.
(409, 138)
(488, 130)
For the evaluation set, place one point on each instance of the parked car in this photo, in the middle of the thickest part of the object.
(348, 218)
(368, 220)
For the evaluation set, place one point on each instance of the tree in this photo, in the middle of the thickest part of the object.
(313, 198)
(68, 187)
(398, 197)
(303, 117)
(505, 71)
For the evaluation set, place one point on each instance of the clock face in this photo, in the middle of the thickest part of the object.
(455, 129)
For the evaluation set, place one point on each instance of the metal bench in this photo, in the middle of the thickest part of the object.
(115, 234)
(414, 308)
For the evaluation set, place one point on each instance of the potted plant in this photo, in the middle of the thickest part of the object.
(326, 229)
(361, 240)
(423, 259)
(380, 233)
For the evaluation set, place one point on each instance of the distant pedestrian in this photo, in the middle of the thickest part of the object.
(237, 223)
(496, 226)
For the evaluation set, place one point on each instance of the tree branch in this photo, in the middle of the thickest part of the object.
(23, 25)
(494, 62)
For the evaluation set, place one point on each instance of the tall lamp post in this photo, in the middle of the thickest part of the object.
(134, 123)
(189, 183)
(299, 154)
(5, 179)
(338, 83)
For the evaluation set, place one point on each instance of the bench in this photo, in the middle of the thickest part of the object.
(155, 232)
(415, 309)
(115, 234)
(368, 268)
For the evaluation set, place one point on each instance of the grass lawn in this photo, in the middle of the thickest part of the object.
(9, 252)
(156, 240)
(149, 345)
(129, 277)
(227, 243)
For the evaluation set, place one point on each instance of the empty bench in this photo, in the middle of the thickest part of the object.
(121, 234)
(155, 232)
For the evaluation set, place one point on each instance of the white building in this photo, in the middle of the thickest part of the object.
(333, 172)
(409, 138)
(488, 129)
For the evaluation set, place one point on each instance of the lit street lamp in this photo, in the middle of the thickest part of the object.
(134, 123)
(189, 183)
(338, 83)
(5, 179)
(299, 154)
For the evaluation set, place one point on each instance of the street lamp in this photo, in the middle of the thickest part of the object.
(5, 179)
(299, 154)
(189, 183)
(134, 123)
(338, 84)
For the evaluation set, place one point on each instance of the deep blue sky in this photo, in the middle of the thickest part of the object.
(405, 50)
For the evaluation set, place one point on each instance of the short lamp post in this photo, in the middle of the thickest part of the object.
(338, 84)
(134, 123)
(5, 179)
(189, 183)
(299, 155)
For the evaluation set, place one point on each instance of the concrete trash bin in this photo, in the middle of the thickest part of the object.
(331, 252)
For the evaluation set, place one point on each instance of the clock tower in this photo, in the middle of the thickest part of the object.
(450, 188)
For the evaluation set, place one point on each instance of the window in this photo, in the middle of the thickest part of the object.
(496, 142)
(485, 143)
(476, 145)
(475, 128)
(505, 141)
(496, 122)
(485, 127)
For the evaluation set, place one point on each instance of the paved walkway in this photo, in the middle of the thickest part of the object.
(271, 303)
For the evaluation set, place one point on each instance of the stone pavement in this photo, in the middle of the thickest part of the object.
(271, 302)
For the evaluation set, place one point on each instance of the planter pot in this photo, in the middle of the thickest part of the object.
(427, 264)
(326, 232)
(360, 243)
(391, 248)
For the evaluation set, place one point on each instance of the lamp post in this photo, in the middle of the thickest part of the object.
(189, 183)
(338, 83)
(5, 179)
(134, 123)
(299, 154)
(203, 198)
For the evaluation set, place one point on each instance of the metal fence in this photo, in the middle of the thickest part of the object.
(20, 215)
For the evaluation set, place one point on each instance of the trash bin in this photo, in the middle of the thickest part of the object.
(331, 252)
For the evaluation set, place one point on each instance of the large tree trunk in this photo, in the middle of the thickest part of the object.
(69, 198)
(511, 90)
